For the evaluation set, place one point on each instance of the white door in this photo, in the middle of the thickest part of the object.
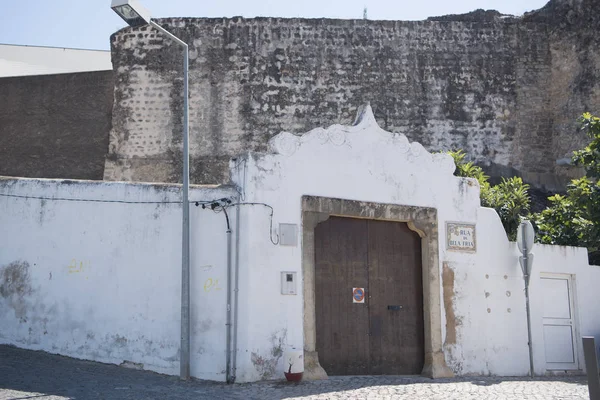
(559, 322)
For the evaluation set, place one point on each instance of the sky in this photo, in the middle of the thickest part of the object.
(88, 24)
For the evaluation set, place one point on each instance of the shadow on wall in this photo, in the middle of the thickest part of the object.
(53, 375)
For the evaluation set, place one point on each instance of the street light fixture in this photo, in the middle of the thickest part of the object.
(131, 12)
(135, 15)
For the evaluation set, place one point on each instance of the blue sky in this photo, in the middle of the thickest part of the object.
(88, 24)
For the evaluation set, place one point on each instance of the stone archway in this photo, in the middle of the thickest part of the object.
(422, 220)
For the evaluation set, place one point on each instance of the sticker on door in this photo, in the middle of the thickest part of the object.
(358, 295)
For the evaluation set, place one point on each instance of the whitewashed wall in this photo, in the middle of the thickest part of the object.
(102, 281)
(586, 280)
(483, 314)
(361, 162)
(489, 303)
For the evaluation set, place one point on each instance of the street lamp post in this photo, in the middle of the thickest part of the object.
(525, 238)
(135, 15)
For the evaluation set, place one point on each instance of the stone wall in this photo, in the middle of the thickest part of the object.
(571, 84)
(55, 126)
(506, 90)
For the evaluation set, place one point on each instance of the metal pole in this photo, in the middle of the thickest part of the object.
(530, 344)
(591, 365)
(229, 306)
(526, 277)
(184, 369)
(184, 366)
(235, 295)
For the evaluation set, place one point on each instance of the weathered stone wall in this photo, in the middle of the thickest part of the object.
(503, 89)
(570, 86)
(55, 126)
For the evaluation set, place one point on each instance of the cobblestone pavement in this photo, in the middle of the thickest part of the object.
(26, 374)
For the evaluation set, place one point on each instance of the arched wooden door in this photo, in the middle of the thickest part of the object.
(385, 334)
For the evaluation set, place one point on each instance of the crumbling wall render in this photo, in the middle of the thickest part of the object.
(490, 85)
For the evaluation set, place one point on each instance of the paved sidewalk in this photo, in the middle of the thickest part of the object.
(26, 374)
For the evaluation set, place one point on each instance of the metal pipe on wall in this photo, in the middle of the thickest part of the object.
(528, 310)
(229, 316)
(235, 293)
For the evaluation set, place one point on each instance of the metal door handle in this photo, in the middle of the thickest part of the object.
(394, 308)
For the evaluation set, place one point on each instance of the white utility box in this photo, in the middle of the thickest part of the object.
(288, 283)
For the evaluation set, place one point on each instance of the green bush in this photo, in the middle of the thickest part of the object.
(510, 198)
(574, 219)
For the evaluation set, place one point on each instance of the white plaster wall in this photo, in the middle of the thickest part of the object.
(489, 305)
(365, 163)
(18, 60)
(102, 281)
(572, 261)
(489, 302)
(360, 162)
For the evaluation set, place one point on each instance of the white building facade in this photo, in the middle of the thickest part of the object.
(92, 269)
(20, 60)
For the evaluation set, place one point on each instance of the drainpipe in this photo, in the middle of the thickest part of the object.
(235, 293)
(229, 313)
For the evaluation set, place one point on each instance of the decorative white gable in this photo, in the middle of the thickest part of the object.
(358, 162)
(360, 138)
(361, 163)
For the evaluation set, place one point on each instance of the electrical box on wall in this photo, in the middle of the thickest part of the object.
(288, 234)
(288, 283)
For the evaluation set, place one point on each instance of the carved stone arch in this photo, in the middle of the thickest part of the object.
(422, 220)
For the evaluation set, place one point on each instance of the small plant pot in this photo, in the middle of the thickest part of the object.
(293, 376)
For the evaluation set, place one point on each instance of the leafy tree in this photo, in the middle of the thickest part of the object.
(511, 201)
(469, 170)
(510, 198)
(574, 219)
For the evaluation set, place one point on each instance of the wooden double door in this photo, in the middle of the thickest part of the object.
(384, 335)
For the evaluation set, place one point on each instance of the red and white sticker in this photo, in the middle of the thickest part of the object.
(358, 295)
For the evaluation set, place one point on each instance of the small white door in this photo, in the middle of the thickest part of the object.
(559, 322)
